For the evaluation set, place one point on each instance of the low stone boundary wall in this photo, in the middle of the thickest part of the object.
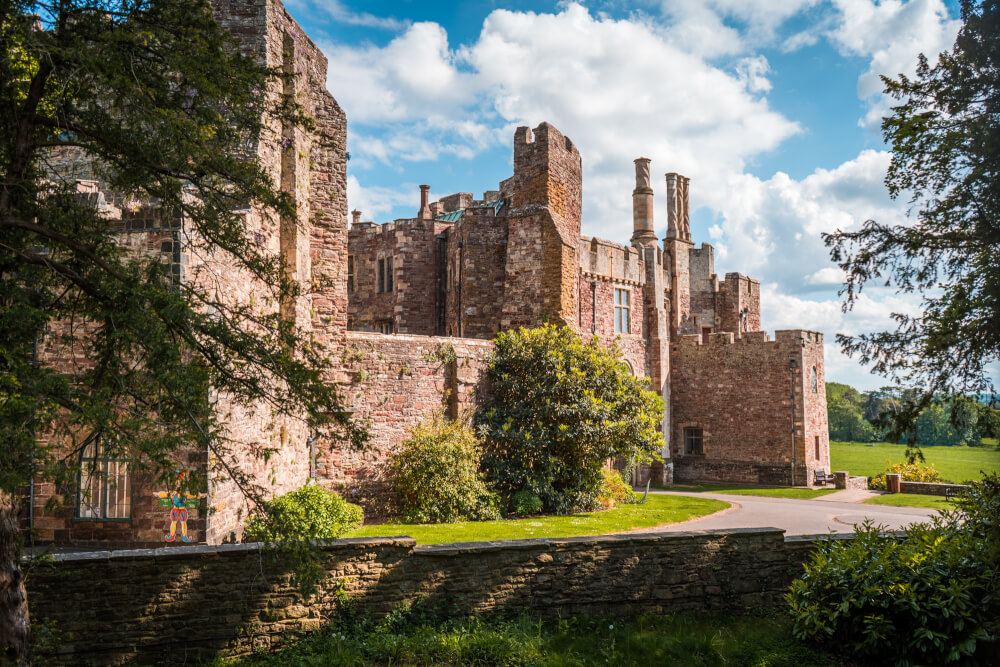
(930, 488)
(843, 480)
(188, 603)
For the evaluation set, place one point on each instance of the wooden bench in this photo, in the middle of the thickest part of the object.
(952, 492)
(823, 478)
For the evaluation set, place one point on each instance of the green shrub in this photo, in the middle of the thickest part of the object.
(614, 490)
(437, 478)
(908, 472)
(559, 408)
(929, 599)
(308, 513)
(525, 503)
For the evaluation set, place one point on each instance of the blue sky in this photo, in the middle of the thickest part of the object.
(772, 107)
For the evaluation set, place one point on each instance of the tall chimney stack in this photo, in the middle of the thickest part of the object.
(425, 210)
(642, 205)
(678, 215)
(356, 216)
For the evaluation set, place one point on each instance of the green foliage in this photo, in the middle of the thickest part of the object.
(559, 408)
(930, 598)
(525, 503)
(908, 472)
(415, 636)
(437, 478)
(945, 139)
(308, 513)
(614, 490)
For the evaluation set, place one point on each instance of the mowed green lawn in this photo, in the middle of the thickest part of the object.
(956, 464)
(657, 511)
(912, 500)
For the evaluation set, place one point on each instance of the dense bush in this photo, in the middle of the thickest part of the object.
(525, 503)
(614, 490)
(437, 478)
(308, 513)
(908, 472)
(561, 407)
(932, 598)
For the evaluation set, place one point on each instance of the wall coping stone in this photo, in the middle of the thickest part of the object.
(403, 541)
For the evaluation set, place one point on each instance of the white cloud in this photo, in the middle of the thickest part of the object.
(752, 72)
(341, 14)
(374, 202)
(891, 33)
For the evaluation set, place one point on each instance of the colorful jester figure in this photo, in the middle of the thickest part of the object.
(178, 501)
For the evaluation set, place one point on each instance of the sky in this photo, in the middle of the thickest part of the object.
(771, 107)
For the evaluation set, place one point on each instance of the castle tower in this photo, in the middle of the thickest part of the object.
(642, 206)
(545, 195)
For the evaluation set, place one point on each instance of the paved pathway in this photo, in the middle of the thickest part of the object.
(799, 517)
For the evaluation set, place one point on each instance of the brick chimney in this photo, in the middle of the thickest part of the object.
(678, 215)
(425, 210)
(355, 216)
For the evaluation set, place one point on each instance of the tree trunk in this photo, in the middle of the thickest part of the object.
(15, 628)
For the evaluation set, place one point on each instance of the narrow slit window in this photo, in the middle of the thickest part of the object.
(350, 274)
(622, 311)
(815, 381)
(104, 492)
(388, 274)
(381, 276)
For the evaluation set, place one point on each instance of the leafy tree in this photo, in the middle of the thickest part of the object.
(171, 112)
(559, 408)
(945, 139)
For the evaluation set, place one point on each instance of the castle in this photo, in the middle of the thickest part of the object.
(410, 307)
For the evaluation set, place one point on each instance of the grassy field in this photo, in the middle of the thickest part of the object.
(751, 490)
(657, 511)
(645, 640)
(912, 500)
(956, 464)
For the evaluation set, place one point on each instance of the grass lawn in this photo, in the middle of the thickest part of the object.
(645, 640)
(956, 464)
(912, 500)
(752, 490)
(657, 511)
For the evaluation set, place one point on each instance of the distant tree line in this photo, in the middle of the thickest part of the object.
(949, 420)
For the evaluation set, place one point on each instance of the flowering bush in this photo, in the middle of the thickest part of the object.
(614, 490)
(908, 472)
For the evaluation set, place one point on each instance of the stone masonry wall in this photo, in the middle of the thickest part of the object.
(738, 390)
(474, 280)
(394, 382)
(151, 605)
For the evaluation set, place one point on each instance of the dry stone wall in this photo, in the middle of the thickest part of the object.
(150, 605)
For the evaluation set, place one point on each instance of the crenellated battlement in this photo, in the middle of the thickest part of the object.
(611, 261)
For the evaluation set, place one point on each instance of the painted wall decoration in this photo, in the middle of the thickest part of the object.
(179, 501)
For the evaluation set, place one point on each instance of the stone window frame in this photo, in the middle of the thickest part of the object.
(817, 453)
(105, 475)
(389, 276)
(814, 376)
(623, 310)
(688, 430)
(351, 267)
(385, 326)
(386, 279)
(380, 278)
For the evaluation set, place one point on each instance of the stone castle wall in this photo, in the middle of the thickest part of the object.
(392, 383)
(161, 604)
(738, 390)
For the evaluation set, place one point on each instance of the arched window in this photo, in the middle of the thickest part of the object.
(104, 492)
(815, 380)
